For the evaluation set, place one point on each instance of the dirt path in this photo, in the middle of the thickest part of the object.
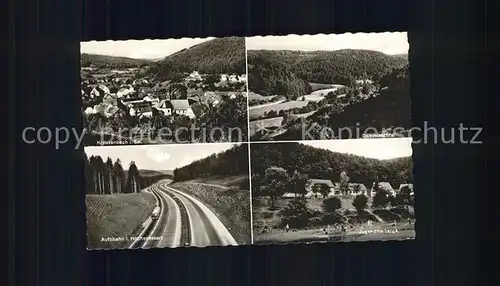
(379, 218)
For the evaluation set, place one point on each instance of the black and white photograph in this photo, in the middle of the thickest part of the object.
(332, 190)
(152, 196)
(164, 91)
(338, 86)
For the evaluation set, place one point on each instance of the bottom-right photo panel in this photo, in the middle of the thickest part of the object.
(332, 190)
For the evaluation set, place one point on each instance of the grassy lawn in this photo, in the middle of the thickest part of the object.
(268, 227)
(116, 216)
(231, 205)
(257, 112)
(318, 86)
(254, 96)
(228, 182)
(376, 232)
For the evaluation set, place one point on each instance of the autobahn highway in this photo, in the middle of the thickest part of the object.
(183, 221)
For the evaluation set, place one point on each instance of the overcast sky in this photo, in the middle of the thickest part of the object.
(389, 43)
(158, 157)
(373, 148)
(139, 49)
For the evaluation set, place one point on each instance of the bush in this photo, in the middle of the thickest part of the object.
(267, 215)
(387, 216)
(403, 212)
(381, 199)
(330, 205)
(315, 221)
(295, 213)
(332, 218)
(360, 202)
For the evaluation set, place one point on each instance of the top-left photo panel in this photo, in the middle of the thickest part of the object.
(171, 91)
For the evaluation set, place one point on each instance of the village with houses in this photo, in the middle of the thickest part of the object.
(116, 101)
(168, 98)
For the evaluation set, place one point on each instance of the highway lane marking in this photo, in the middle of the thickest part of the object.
(193, 240)
(200, 228)
(157, 222)
(220, 229)
(173, 207)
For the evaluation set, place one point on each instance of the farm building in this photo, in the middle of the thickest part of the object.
(384, 186)
(357, 189)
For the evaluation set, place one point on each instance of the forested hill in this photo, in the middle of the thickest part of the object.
(324, 164)
(218, 56)
(102, 61)
(232, 162)
(339, 67)
(270, 73)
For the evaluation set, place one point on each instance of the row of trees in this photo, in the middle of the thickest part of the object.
(108, 177)
(297, 214)
(231, 162)
(318, 163)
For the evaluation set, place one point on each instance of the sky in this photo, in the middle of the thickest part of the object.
(139, 49)
(388, 43)
(158, 157)
(378, 148)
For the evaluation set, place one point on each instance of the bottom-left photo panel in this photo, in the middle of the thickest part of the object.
(156, 196)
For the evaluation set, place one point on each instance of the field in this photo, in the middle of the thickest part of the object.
(258, 112)
(319, 94)
(254, 96)
(116, 216)
(268, 227)
(305, 115)
(270, 123)
(230, 203)
(224, 181)
(379, 232)
(318, 86)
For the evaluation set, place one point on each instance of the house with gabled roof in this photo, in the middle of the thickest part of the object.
(383, 186)
(180, 106)
(165, 106)
(312, 182)
(123, 92)
(357, 189)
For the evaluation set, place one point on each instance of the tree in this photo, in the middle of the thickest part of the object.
(357, 189)
(89, 176)
(331, 205)
(323, 189)
(298, 183)
(295, 213)
(275, 183)
(133, 178)
(360, 202)
(381, 199)
(344, 183)
(403, 198)
(110, 178)
(118, 176)
(177, 91)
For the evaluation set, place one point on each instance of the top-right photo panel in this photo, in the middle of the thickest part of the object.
(338, 86)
